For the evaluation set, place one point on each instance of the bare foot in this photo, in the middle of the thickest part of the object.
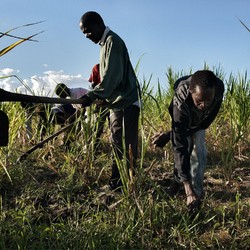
(191, 196)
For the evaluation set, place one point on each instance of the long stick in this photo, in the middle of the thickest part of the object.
(40, 144)
(6, 96)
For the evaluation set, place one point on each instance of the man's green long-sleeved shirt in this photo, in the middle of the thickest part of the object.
(119, 87)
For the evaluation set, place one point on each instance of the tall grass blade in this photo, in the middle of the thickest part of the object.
(25, 25)
(12, 46)
(244, 25)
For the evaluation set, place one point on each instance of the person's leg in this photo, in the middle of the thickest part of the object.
(116, 129)
(127, 118)
(198, 161)
(131, 118)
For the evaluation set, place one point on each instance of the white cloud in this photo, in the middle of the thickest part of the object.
(7, 71)
(39, 84)
(7, 81)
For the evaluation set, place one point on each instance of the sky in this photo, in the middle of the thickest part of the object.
(158, 34)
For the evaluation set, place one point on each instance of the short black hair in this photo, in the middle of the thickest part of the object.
(204, 79)
(91, 17)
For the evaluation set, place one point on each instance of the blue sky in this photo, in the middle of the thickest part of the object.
(178, 33)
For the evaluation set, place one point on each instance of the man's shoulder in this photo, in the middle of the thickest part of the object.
(181, 86)
(113, 37)
(184, 80)
(181, 97)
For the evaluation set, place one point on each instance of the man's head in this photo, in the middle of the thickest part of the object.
(62, 90)
(202, 88)
(92, 25)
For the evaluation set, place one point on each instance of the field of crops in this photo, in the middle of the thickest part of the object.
(58, 198)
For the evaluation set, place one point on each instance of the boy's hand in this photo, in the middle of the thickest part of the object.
(161, 139)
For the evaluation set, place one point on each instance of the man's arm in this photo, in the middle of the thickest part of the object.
(180, 122)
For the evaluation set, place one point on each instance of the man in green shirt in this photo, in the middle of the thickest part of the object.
(119, 89)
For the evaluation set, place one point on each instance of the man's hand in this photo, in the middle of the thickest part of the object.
(86, 101)
(99, 102)
(161, 139)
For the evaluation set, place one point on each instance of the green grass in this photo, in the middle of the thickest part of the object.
(57, 199)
